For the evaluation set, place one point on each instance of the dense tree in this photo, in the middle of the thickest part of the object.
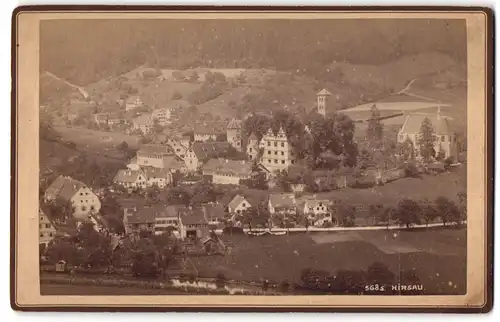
(178, 196)
(426, 140)
(375, 130)
(407, 213)
(429, 213)
(377, 212)
(203, 193)
(406, 150)
(448, 211)
(346, 215)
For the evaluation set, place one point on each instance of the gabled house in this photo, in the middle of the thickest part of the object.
(214, 214)
(178, 146)
(131, 179)
(47, 229)
(76, 193)
(224, 171)
(156, 176)
(317, 211)
(282, 203)
(136, 220)
(238, 205)
(201, 152)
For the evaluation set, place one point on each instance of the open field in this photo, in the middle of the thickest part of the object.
(438, 256)
(94, 138)
(447, 184)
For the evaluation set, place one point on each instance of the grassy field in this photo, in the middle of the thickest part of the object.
(438, 256)
(94, 138)
(446, 184)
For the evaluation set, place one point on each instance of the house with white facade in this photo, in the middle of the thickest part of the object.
(282, 203)
(317, 211)
(76, 193)
(238, 205)
(131, 179)
(162, 115)
(277, 153)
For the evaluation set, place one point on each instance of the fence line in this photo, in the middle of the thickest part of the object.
(333, 229)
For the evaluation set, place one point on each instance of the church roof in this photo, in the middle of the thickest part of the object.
(324, 92)
(234, 125)
(414, 121)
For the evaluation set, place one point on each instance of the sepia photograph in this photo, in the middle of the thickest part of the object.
(287, 156)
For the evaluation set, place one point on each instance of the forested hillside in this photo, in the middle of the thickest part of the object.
(85, 51)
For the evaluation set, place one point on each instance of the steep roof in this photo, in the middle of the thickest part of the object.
(172, 162)
(282, 200)
(234, 124)
(64, 187)
(414, 121)
(176, 210)
(213, 210)
(312, 203)
(194, 217)
(209, 150)
(323, 92)
(152, 172)
(253, 137)
(127, 175)
(154, 150)
(229, 167)
(236, 201)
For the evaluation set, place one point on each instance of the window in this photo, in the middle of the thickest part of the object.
(282, 144)
(293, 161)
(84, 208)
(282, 153)
(250, 150)
(50, 235)
(243, 204)
(92, 207)
(269, 161)
(40, 226)
(81, 193)
(275, 152)
(275, 161)
(81, 201)
(275, 143)
(268, 152)
(268, 143)
(41, 235)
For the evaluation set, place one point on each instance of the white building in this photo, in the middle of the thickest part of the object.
(224, 171)
(277, 151)
(445, 139)
(76, 193)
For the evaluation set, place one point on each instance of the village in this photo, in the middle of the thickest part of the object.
(187, 191)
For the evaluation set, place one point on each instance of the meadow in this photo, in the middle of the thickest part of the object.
(437, 256)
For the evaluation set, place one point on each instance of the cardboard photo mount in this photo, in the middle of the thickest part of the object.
(25, 292)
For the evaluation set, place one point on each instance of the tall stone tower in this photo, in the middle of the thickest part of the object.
(234, 134)
(322, 98)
